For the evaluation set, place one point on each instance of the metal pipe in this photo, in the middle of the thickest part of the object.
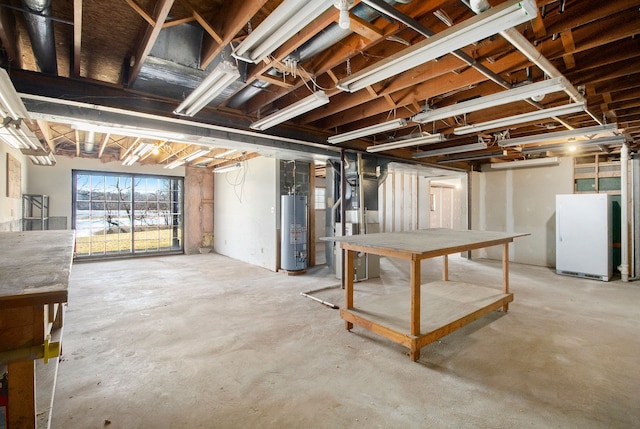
(40, 30)
(624, 212)
(392, 12)
(361, 218)
(343, 211)
(528, 50)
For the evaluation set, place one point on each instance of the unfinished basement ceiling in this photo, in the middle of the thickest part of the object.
(139, 59)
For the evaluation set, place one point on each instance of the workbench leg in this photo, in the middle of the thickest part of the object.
(415, 306)
(445, 268)
(22, 394)
(505, 273)
(348, 284)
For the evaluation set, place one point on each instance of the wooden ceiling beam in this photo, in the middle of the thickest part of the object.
(303, 36)
(151, 35)
(178, 21)
(364, 28)
(46, 133)
(344, 101)
(143, 13)
(427, 89)
(609, 72)
(202, 21)
(582, 13)
(569, 46)
(103, 145)
(231, 20)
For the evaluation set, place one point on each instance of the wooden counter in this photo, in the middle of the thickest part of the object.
(34, 277)
(448, 305)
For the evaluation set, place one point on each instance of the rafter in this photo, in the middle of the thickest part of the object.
(150, 37)
(233, 18)
(46, 133)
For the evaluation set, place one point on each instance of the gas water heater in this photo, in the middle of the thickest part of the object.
(293, 237)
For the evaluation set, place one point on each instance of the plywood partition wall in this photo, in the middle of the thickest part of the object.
(412, 201)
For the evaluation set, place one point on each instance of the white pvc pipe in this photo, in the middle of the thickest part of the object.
(528, 50)
(624, 212)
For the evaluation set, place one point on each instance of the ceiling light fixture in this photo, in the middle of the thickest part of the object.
(471, 157)
(227, 168)
(44, 160)
(144, 133)
(493, 21)
(493, 100)
(576, 144)
(223, 75)
(139, 152)
(589, 132)
(537, 162)
(175, 164)
(450, 150)
(130, 159)
(317, 99)
(416, 141)
(281, 25)
(196, 154)
(227, 153)
(17, 135)
(522, 118)
(367, 131)
(11, 104)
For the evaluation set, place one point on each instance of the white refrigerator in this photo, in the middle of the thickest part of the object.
(584, 236)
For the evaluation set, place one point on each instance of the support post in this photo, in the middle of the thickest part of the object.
(22, 394)
(415, 306)
(348, 281)
(505, 272)
(445, 268)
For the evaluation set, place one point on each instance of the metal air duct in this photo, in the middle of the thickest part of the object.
(40, 29)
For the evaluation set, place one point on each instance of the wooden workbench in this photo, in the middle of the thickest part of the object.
(435, 309)
(34, 277)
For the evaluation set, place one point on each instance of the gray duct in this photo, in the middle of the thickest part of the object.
(40, 29)
(329, 37)
(90, 141)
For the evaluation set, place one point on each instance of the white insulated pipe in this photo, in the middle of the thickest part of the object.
(528, 50)
(624, 212)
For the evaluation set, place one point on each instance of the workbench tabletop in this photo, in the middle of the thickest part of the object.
(426, 241)
(35, 265)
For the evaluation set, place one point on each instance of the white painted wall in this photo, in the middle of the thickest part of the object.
(520, 200)
(56, 181)
(245, 213)
(11, 208)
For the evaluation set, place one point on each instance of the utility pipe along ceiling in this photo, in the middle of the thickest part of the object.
(212, 83)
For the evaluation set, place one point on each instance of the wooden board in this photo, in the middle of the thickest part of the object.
(34, 267)
(442, 303)
(14, 177)
(423, 243)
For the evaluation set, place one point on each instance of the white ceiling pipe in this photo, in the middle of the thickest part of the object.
(528, 50)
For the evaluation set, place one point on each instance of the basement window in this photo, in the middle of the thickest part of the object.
(320, 200)
(118, 214)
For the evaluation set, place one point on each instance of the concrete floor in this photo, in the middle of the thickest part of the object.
(204, 341)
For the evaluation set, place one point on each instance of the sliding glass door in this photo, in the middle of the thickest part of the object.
(116, 214)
